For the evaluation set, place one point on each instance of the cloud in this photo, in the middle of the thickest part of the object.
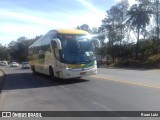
(11, 31)
(91, 7)
(131, 2)
(17, 24)
(31, 18)
(95, 16)
(22, 21)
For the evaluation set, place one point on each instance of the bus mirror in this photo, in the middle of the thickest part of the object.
(56, 43)
(96, 42)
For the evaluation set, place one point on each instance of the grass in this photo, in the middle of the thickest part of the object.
(152, 62)
(154, 58)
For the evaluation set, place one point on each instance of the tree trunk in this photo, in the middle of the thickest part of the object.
(137, 44)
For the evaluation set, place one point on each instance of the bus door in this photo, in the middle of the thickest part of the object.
(58, 66)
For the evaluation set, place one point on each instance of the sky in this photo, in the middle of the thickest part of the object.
(31, 18)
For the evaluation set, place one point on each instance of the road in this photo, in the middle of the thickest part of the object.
(109, 90)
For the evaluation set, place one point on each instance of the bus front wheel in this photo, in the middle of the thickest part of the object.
(51, 73)
(33, 69)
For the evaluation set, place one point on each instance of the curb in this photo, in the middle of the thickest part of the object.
(2, 78)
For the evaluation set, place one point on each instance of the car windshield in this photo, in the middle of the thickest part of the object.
(25, 63)
(76, 49)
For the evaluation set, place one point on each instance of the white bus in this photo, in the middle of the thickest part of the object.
(64, 54)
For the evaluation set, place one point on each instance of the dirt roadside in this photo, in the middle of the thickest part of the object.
(2, 78)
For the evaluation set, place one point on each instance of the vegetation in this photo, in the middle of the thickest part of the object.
(121, 24)
(141, 19)
(16, 50)
(4, 54)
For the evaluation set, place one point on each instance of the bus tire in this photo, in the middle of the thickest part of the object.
(33, 69)
(51, 73)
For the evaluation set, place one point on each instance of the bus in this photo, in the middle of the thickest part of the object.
(64, 53)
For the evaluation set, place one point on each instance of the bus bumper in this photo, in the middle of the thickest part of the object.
(66, 74)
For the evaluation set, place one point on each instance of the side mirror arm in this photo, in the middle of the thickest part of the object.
(58, 42)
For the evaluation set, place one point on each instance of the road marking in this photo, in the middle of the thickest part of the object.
(128, 82)
(65, 88)
(2, 100)
(156, 70)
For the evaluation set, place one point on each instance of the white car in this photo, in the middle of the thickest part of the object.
(25, 65)
(14, 64)
(3, 63)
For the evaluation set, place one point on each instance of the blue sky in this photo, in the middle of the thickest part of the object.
(31, 18)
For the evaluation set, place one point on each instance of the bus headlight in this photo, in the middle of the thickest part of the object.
(66, 67)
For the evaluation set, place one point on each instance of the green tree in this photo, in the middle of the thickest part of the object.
(110, 24)
(4, 54)
(154, 6)
(115, 27)
(145, 48)
(84, 27)
(156, 13)
(121, 18)
(139, 18)
(19, 49)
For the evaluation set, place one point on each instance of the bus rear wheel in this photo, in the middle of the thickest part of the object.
(51, 73)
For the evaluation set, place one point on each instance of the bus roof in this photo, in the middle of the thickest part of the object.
(70, 31)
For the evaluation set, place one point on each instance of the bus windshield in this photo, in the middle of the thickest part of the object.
(76, 49)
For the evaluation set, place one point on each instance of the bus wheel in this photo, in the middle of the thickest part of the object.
(33, 70)
(51, 74)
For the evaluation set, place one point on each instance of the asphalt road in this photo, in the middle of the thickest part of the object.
(109, 90)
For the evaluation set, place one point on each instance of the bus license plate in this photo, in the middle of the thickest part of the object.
(83, 73)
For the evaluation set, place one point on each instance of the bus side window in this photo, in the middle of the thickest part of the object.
(45, 46)
(30, 53)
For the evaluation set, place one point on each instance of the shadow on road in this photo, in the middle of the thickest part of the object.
(127, 68)
(28, 80)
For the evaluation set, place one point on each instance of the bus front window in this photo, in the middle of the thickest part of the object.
(87, 49)
(76, 49)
